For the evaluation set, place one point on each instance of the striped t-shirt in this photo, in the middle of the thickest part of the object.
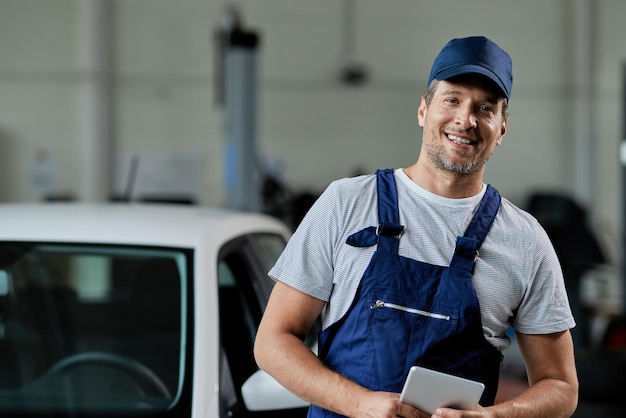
(517, 276)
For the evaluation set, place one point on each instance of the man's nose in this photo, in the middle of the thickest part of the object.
(465, 117)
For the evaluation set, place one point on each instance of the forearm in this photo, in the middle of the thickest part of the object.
(293, 365)
(550, 365)
(548, 398)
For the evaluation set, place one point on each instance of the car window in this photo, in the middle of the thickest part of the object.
(91, 328)
(267, 248)
(243, 291)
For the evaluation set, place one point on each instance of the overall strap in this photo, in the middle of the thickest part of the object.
(388, 216)
(389, 229)
(488, 209)
(468, 245)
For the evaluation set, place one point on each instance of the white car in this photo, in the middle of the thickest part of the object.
(133, 309)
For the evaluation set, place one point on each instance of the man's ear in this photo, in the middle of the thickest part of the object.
(421, 112)
(502, 133)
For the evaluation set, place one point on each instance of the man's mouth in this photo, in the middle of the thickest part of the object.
(459, 140)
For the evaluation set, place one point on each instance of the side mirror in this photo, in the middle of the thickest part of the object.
(261, 392)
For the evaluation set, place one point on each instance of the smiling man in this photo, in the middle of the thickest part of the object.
(392, 263)
(471, 115)
(463, 122)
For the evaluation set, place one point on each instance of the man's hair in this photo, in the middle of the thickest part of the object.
(430, 92)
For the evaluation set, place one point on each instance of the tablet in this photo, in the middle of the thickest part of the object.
(428, 390)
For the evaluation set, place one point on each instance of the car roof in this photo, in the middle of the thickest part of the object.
(129, 223)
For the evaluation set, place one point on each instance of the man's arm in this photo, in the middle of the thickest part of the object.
(553, 390)
(280, 351)
(551, 373)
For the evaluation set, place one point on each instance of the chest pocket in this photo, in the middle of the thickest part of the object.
(401, 326)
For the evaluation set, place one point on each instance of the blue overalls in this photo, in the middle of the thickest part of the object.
(407, 313)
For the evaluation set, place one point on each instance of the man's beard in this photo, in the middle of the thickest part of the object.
(437, 154)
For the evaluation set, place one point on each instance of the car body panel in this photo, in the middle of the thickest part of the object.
(138, 224)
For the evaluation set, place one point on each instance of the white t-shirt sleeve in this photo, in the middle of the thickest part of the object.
(307, 261)
(545, 307)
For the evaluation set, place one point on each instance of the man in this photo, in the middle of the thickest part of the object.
(425, 266)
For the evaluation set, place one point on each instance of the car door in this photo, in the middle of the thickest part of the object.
(244, 289)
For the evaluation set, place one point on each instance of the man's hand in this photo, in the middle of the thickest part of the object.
(477, 412)
(386, 405)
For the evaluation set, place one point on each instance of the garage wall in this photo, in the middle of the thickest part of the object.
(317, 128)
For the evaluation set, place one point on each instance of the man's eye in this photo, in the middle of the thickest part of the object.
(485, 108)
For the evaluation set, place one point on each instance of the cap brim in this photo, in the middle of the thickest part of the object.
(472, 69)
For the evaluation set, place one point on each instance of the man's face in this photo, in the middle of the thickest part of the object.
(462, 125)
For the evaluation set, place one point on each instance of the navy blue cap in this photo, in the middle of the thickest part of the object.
(474, 55)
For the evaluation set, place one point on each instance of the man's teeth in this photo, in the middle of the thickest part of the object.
(458, 140)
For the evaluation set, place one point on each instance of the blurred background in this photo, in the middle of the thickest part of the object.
(259, 104)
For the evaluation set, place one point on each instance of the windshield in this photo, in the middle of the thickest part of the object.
(91, 328)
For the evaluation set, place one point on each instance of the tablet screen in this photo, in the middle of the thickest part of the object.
(428, 390)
